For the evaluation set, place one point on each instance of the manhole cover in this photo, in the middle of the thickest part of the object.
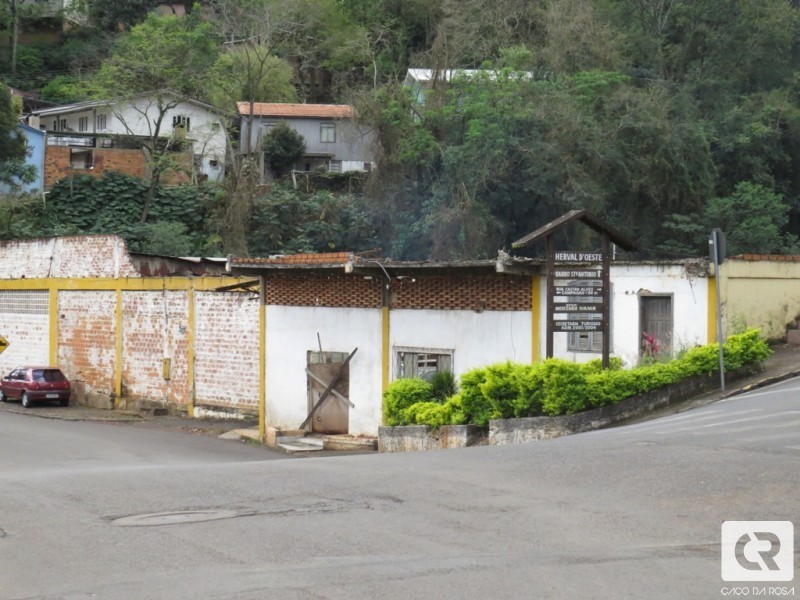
(174, 518)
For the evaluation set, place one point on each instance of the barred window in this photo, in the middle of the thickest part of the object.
(27, 302)
(423, 362)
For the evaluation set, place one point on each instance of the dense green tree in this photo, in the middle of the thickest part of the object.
(113, 14)
(13, 170)
(167, 58)
(287, 220)
(282, 147)
(753, 219)
(245, 74)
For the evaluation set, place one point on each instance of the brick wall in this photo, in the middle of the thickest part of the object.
(87, 340)
(79, 256)
(127, 161)
(124, 160)
(226, 350)
(315, 289)
(478, 292)
(56, 164)
(451, 292)
(146, 338)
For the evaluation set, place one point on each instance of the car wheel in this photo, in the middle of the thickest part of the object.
(26, 401)
(65, 402)
(3, 397)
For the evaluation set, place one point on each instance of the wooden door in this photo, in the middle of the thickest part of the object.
(656, 319)
(333, 416)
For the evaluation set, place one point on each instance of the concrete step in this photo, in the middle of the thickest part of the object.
(241, 434)
(302, 445)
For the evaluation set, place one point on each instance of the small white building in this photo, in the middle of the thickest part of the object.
(414, 318)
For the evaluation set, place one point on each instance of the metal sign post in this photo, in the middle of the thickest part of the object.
(716, 243)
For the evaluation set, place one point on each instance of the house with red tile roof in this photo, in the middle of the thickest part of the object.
(335, 141)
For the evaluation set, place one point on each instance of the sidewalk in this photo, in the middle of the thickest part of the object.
(76, 412)
(784, 363)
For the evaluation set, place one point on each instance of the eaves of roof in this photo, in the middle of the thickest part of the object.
(301, 111)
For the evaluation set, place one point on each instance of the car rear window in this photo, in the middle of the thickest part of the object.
(47, 375)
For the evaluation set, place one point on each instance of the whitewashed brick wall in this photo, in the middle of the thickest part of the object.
(155, 326)
(83, 256)
(226, 355)
(27, 332)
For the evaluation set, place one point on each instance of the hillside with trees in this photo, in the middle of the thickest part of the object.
(664, 117)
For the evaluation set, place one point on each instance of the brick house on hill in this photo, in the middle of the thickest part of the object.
(108, 135)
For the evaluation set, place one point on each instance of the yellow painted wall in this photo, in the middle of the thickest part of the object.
(760, 293)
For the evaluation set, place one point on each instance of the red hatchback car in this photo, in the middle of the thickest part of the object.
(31, 384)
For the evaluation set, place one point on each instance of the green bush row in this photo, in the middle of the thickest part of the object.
(556, 387)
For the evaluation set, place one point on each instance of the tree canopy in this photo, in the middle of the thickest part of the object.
(665, 117)
(13, 170)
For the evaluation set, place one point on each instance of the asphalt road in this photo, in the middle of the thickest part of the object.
(93, 510)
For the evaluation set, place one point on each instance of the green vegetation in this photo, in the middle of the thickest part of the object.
(557, 387)
(13, 171)
(638, 110)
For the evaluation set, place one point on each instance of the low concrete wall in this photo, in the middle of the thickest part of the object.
(531, 429)
(412, 438)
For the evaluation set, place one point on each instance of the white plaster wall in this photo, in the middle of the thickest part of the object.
(352, 165)
(477, 339)
(292, 331)
(689, 306)
(206, 130)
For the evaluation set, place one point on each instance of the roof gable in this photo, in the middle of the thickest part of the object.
(79, 106)
(577, 215)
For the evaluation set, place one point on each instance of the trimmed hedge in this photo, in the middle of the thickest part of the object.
(556, 387)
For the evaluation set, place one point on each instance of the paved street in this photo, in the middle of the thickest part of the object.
(98, 510)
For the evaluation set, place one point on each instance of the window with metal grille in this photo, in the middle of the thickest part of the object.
(181, 122)
(584, 341)
(101, 122)
(27, 302)
(83, 123)
(423, 362)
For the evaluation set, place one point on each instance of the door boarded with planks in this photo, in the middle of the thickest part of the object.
(333, 416)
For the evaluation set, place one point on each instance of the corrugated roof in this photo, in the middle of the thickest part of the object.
(324, 258)
(309, 111)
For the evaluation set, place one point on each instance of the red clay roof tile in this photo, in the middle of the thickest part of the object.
(320, 111)
(324, 258)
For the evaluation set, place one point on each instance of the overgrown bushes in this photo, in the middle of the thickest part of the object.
(556, 387)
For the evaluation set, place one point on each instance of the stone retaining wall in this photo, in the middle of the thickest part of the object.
(516, 431)
(413, 438)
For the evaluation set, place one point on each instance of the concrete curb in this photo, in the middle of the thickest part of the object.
(34, 412)
(761, 383)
